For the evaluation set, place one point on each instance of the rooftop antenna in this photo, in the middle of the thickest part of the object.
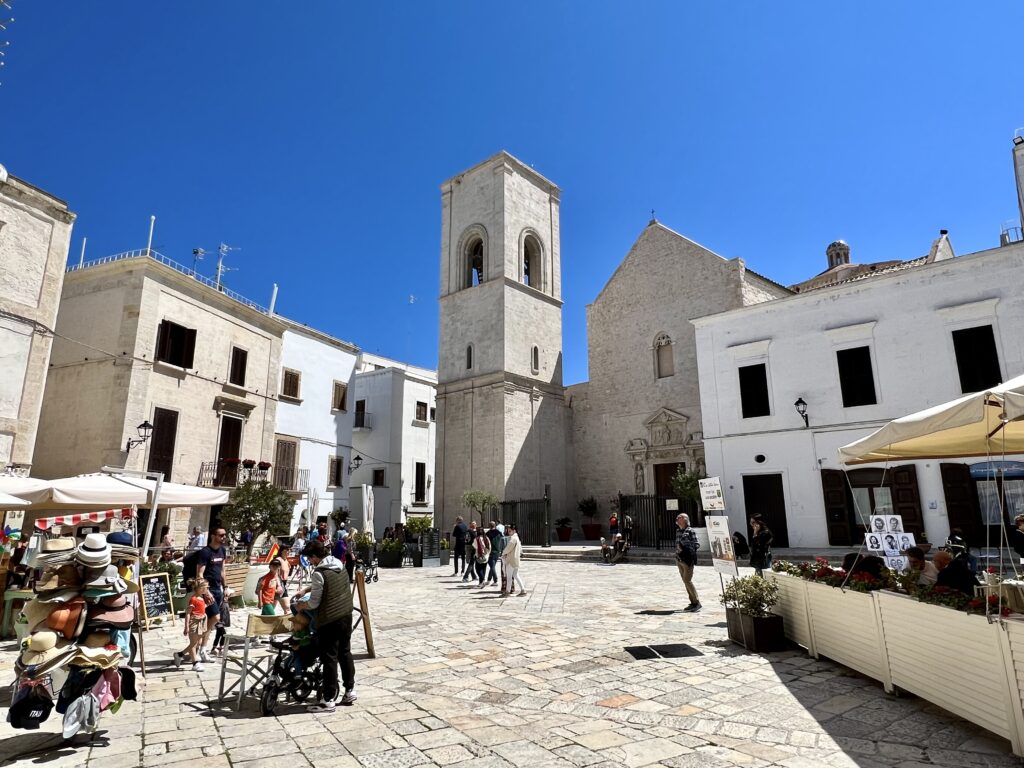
(197, 255)
(222, 251)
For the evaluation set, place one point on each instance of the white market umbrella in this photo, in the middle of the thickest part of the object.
(102, 491)
(368, 510)
(981, 424)
(7, 501)
(29, 489)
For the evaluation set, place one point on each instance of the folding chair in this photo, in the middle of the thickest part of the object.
(252, 662)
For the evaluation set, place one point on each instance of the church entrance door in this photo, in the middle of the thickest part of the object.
(663, 474)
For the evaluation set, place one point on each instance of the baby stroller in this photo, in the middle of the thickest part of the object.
(368, 566)
(284, 677)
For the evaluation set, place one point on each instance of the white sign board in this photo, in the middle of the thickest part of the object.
(711, 494)
(723, 555)
(672, 505)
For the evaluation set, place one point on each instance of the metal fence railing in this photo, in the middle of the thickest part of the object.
(654, 524)
(530, 517)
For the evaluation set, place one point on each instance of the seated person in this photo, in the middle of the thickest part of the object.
(303, 650)
(855, 562)
(954, 572)
(1017, 536)
(929, 573)
(957, 545)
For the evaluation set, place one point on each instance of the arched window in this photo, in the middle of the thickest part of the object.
(532, 262)
(474, 263)
(664, 366)
(535, 359)
(469, 357)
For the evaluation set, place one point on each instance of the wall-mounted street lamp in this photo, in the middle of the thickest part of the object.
(144, 429)
(356, 463)
(801, 408)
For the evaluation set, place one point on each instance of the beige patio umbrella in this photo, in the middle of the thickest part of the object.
(101, 490)
(981, 424)
(29, 489)
(7, 501)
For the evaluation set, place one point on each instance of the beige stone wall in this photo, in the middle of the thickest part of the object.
(95, 401)
(665, 281)
(35, 232)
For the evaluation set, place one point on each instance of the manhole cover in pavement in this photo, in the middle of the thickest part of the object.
(655, 613)
(673, 651)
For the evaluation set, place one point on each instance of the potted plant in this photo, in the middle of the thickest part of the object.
(389, 554)
(445, 552)
(563, 526)
(588, 510)
(340, 516)
(748, 602)
(363, 544)
(249, 463)
(264, 465)
(230, 462)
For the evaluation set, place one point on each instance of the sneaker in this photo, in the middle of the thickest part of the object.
(504, 593)
(322, 707)
(348, 699)
(522, 593)
(465, 579)
(197, 667)
(203, 656)
(177, 660)
(692, 608)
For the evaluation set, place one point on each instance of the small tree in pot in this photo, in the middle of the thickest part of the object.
(389, 553)
(588, 510)
(563, 526)
(748, 602)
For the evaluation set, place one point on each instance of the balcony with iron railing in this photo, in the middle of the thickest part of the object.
(1010, 234)
(222, 474)
(363, 420)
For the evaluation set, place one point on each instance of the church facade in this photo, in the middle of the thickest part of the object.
(505, 423)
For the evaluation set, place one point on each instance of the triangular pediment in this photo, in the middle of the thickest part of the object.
(664, 416)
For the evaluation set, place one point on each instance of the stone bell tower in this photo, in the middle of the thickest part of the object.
(501, 416)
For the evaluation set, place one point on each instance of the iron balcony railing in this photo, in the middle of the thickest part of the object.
(222, 474)
(363, 420)
(144, 253)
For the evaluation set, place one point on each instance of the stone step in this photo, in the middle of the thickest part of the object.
(593, 555)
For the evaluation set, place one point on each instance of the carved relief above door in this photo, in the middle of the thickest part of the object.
(668, 439)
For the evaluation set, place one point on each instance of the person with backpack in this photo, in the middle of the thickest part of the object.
(482, 552)
(686, 558)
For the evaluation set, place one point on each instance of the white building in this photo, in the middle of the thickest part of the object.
(312, 444)
(35, 229)
(394, 438)
(859, 353)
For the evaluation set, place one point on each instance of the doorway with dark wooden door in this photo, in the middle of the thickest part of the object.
(763, 495)
(663, 474)
(227, 451)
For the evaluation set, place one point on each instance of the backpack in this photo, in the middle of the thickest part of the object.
(190, 565)
(498, 545)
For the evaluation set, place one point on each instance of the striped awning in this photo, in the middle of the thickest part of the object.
(45, 523)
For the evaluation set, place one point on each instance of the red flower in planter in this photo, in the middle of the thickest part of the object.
(264, 465)
(249, 463)
(231, 462)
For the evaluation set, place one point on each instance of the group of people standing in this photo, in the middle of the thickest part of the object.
(492, 556)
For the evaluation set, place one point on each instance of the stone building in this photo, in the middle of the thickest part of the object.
(502, 424)
(395, 437)
(638, 420)
(35, 230)
(142, 339)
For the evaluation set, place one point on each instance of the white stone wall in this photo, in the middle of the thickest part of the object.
(906, 318)
(319, 431)
(35, 231)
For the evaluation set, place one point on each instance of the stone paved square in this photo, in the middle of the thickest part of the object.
(465, 678)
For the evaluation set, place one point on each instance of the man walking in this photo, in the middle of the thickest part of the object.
(497, 545)
(510, 563)
(330, 598)
(459, 533)
(686, 558)
(470, 552)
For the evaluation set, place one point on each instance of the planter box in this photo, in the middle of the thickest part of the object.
(792, 607)
(591, 531)
(846, 630)
(921, 640)
(564, 534)
(759, 634)
(446, 556)
(389, 559)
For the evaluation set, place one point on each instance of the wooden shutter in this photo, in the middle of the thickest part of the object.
(906, 499)
(962, 502)
(239, 359)
(161, 448)
(163, 341)
(421, 411)
(189, 353)
(290, 387)
(340, 392)
(837, 508)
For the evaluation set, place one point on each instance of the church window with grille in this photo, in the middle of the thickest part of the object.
(474, 263)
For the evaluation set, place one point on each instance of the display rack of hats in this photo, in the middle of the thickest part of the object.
(76, 653)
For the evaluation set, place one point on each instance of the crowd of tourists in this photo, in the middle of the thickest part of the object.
(490, 556)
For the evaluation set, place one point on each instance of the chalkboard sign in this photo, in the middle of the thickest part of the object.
(156, 597)
(430, 543)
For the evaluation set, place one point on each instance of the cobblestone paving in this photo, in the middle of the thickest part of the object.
(465, 678)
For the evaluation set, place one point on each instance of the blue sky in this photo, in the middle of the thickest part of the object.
(314, 135)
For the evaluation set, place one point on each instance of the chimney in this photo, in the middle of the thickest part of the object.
(838, 253)
(1018, 169)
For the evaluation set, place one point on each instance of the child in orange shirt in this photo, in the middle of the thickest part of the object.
(195, 620)
(270, 589)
